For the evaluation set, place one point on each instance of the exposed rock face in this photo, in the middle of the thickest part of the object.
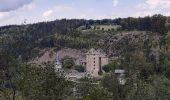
(50, 55)
(47, 55)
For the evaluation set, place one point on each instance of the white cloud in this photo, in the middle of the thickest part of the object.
(9, 5)
(115, 2)
(154, 4)
(62, 8)
(167, 14)
(14, 19)
(83, 16)
(3, 15)
(58, 10)
(28, 7)
(151, 7)
(48, 13)
(143, 14)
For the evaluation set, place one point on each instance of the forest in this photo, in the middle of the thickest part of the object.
(144, 54)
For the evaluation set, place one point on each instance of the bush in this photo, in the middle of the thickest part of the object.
(68, 63)
(79, 68)
(110, 67)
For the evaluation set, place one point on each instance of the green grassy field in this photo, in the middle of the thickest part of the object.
(106, 27)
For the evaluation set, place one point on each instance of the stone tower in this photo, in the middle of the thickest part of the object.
(95, 60)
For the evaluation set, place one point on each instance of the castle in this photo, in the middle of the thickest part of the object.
(95, 60)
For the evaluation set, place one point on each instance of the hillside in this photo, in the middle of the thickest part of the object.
(49, 55)
(141, 47)
(28, 40)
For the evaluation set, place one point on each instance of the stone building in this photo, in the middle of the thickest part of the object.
(95, 60)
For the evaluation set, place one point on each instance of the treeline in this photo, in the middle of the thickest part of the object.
(155, 23)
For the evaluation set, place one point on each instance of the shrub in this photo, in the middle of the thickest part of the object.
(79, 68)
(110, 67)
(68, 63)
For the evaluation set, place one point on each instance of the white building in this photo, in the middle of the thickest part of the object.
(120, 76)
(58, 64)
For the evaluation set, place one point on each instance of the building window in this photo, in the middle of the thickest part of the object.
(94, 58)
(94, 61)
(94, 65)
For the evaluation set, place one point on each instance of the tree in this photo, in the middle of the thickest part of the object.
(90, 89)
(68, 63)
(157, 88)
(110, 82)
(111, 66)
(42, 83)
(97, 93)
(8, 68)
(136, 89)
(137, 64)
(162, 91)
(158, 24)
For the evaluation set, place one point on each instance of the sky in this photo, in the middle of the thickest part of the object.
(33, 11)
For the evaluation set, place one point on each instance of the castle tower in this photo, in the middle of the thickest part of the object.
(95, 59)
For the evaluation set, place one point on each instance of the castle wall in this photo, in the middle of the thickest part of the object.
(92, 66)
(104, 61)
